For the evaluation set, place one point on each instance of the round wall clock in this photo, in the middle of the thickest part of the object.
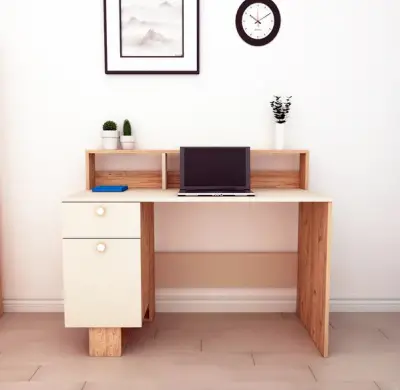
(258, 21)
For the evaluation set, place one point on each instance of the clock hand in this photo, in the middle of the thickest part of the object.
(257, 21)
(264, 17)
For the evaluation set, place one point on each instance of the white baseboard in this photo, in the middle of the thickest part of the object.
(226, 300)
(221, 301)
(365, 305)
(33, 306)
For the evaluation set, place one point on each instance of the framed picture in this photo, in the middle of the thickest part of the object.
(152, 36)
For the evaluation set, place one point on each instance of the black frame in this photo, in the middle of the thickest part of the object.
(183, 187)
(275, 30)
(197, 71)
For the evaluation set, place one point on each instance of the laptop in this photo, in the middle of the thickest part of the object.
(215, 171)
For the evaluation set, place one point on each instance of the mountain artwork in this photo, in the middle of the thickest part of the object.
(151, 28)
(151, 37)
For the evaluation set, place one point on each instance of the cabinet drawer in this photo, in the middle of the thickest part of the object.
(101, 220)
(102, 283)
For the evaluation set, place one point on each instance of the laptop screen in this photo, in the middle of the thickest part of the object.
(215, 168)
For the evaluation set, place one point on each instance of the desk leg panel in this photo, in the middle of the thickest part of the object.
(147, 253)
(314, 271)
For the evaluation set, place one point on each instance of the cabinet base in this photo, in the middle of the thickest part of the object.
(105, 342)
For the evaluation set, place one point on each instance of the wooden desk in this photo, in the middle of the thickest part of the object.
(108, 252)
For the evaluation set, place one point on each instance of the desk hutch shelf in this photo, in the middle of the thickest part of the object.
(169, 179)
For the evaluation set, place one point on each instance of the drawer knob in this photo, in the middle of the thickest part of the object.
(101, 248)
(100, 211)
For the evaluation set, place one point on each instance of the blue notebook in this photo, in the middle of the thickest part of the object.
(109, 189)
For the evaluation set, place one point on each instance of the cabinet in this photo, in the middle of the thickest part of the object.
(102, 283)
(108, 270)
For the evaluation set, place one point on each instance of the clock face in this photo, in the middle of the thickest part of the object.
(258, 21)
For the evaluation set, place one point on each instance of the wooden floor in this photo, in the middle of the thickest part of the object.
(204, 351)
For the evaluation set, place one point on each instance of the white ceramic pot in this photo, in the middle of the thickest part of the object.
(279, 136)
(128, 142)
(110, 139)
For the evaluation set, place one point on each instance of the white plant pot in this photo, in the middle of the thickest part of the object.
(110, 139)
(279, 142)
(128, 142)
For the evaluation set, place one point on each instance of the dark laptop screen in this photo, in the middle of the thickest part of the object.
(215, 168)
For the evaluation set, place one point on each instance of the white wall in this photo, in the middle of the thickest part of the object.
(338, 58)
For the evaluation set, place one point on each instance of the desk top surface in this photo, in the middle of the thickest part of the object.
(170, 196)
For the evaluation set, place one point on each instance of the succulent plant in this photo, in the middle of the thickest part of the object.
(110, 126)
(127, 128)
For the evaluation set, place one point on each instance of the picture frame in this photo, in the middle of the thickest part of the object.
(152, 36)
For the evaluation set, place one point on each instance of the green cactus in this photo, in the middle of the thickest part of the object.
(127, 128)
(110, 126)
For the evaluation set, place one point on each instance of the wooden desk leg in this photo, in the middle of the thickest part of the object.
(105, 342)
(148, 269)
(314, 271)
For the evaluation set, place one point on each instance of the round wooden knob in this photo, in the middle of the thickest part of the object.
(101, 248)
(100, 211)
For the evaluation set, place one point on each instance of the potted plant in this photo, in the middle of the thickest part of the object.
(127, 139)
(110, 135)
(281, 108)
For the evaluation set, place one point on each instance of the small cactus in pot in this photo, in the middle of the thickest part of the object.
(110, 135)
(127, 139)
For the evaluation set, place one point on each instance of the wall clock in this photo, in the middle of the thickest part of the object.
(258, 22)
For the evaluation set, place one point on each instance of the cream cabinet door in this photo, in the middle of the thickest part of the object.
(92, 220)
(102, 283)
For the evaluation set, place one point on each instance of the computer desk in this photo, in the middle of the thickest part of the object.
(108, 253)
